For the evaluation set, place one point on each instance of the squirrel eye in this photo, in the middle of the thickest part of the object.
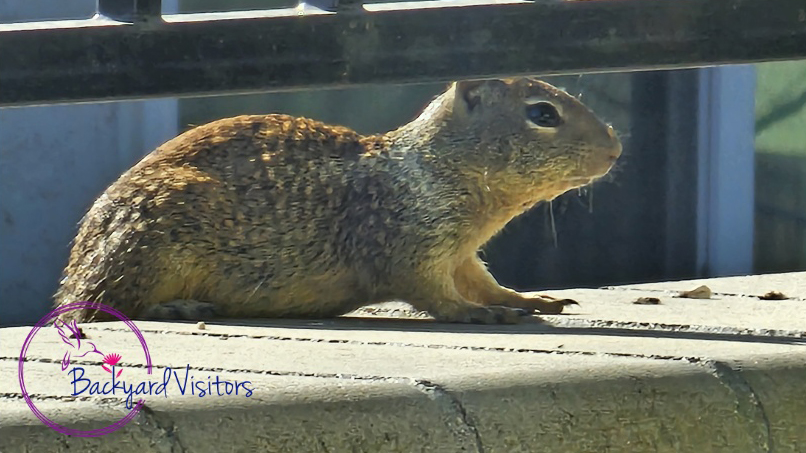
(543, 114)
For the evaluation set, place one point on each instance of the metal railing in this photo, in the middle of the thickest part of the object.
(129, 50)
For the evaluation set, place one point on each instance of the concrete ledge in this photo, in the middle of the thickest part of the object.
(613, 377)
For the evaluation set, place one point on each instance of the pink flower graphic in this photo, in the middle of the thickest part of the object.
(112, 360)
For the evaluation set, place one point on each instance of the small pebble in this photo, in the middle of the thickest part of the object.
(81, 334)
(201, 325)
(647, 301)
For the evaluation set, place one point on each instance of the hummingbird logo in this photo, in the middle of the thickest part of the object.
(72, 336)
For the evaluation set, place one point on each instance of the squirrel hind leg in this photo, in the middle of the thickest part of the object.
(181, 309)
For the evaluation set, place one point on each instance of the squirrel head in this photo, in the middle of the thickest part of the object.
(521, 137)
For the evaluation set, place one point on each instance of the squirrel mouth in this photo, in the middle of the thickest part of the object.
(595, 170)
(581, 181)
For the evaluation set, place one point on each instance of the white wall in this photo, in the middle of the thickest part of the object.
(54, 161)
(726, 180)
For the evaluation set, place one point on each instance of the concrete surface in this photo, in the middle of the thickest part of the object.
(727, 374)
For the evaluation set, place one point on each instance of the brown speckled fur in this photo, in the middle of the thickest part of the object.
(275, 216)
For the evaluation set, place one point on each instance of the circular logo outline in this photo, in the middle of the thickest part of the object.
(47, 318)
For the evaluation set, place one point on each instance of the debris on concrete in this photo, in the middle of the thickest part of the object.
(773, 295)
(647, 301)
(700, 292)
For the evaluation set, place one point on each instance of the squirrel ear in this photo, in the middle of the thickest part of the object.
(467, 93)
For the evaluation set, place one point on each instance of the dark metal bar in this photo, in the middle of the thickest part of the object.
(130, 10)
(195, 54)
(325, 5)
(335, 5)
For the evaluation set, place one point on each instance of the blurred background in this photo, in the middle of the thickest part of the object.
(712, 181)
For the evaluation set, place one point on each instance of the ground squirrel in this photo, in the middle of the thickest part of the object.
(276, 216)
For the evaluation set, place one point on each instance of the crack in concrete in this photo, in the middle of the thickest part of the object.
(748, 403)
(164, 435)
(63, 440)
(455, 415)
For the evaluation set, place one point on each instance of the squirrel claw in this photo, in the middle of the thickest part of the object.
(548, 305)
(568, 302)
